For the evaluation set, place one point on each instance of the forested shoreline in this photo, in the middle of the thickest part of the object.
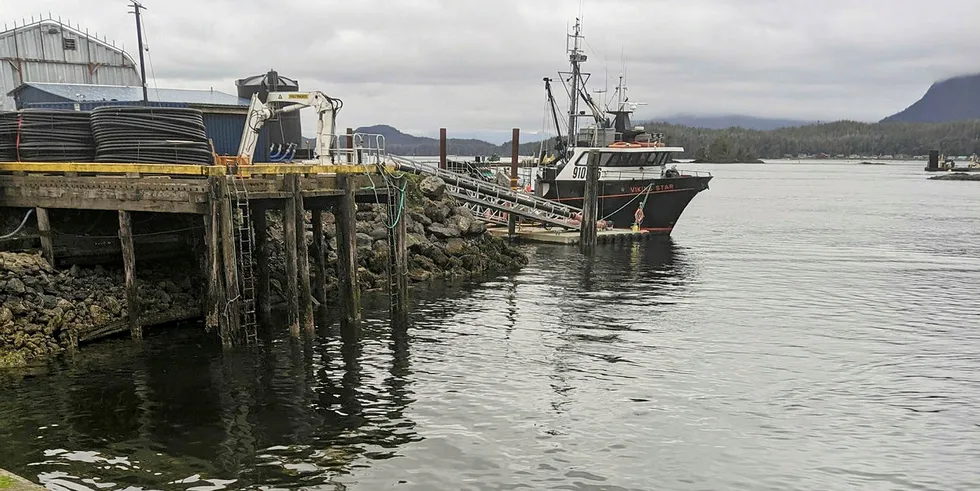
(840, 138)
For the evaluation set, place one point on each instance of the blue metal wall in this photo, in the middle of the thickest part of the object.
(225, 130)
(31, 95)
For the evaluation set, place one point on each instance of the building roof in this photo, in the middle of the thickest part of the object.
(95, 93)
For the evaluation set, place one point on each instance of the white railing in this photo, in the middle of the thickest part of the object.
(358, 149)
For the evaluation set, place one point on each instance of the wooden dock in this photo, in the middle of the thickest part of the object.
(232, 202)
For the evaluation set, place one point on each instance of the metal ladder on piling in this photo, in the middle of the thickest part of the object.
(244, 245)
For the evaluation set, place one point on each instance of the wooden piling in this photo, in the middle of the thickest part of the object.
(302, 258)
(44, 230)
(230, 305)
(442, 148)
(292, 261)
(349, 289)
(319, 258)
(514, 150)
(214, 318)
(263, 297)
(587, 233)
(129, 267)
(399, 256)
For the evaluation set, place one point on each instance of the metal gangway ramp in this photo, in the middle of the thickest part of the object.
(488, 200)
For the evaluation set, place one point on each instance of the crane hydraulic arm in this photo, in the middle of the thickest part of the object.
(284, 102)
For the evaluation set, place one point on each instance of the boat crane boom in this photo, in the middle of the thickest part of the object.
(260, 112)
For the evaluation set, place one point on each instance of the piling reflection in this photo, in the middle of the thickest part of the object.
(290, 409)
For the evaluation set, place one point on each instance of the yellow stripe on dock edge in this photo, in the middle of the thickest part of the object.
(182, 170)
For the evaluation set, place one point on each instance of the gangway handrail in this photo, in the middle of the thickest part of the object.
(485, 187)
(493, 196)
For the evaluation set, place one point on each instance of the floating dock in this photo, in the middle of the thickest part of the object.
(572, 237)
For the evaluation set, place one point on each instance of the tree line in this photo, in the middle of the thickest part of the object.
(834, 139)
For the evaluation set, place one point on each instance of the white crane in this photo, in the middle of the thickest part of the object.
(260, 112)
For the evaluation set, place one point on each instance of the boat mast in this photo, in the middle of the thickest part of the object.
(576, 57)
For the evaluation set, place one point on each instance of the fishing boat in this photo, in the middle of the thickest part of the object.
(638, 186)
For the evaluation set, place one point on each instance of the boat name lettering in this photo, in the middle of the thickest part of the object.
(579, 172)
(659, 187)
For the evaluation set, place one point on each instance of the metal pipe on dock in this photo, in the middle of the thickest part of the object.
(514, 150)
(442, 148)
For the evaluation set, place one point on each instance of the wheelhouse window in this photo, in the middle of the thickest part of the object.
(628, 159)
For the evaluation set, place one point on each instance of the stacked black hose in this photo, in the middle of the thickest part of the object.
(45, 135)
(39, 135)
(150, 135)
(8, 136)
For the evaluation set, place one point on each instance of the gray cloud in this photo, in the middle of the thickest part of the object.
(478, 64)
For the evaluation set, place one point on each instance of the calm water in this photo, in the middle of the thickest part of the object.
(807, 327)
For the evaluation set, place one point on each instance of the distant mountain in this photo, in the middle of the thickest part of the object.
(954, 99)
(400, 143)
(733, 120)
(495, 137)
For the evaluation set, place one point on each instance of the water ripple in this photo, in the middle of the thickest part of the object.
(808, 327)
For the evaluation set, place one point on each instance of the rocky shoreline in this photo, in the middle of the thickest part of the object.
(44, 312)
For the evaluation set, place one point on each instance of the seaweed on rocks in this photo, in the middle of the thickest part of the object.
(41, 309)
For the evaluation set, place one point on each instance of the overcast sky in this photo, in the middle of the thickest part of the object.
(478, 64)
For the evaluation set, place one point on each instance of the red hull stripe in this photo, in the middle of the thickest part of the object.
(626, 195)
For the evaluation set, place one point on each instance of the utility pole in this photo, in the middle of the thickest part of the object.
(137, 7)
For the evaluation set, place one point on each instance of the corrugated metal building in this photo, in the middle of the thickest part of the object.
(49, 51)
(224, 114)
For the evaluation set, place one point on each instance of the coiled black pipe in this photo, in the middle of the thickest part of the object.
(39, 135)
(8, 136)
(54, 136)
(150, 135)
